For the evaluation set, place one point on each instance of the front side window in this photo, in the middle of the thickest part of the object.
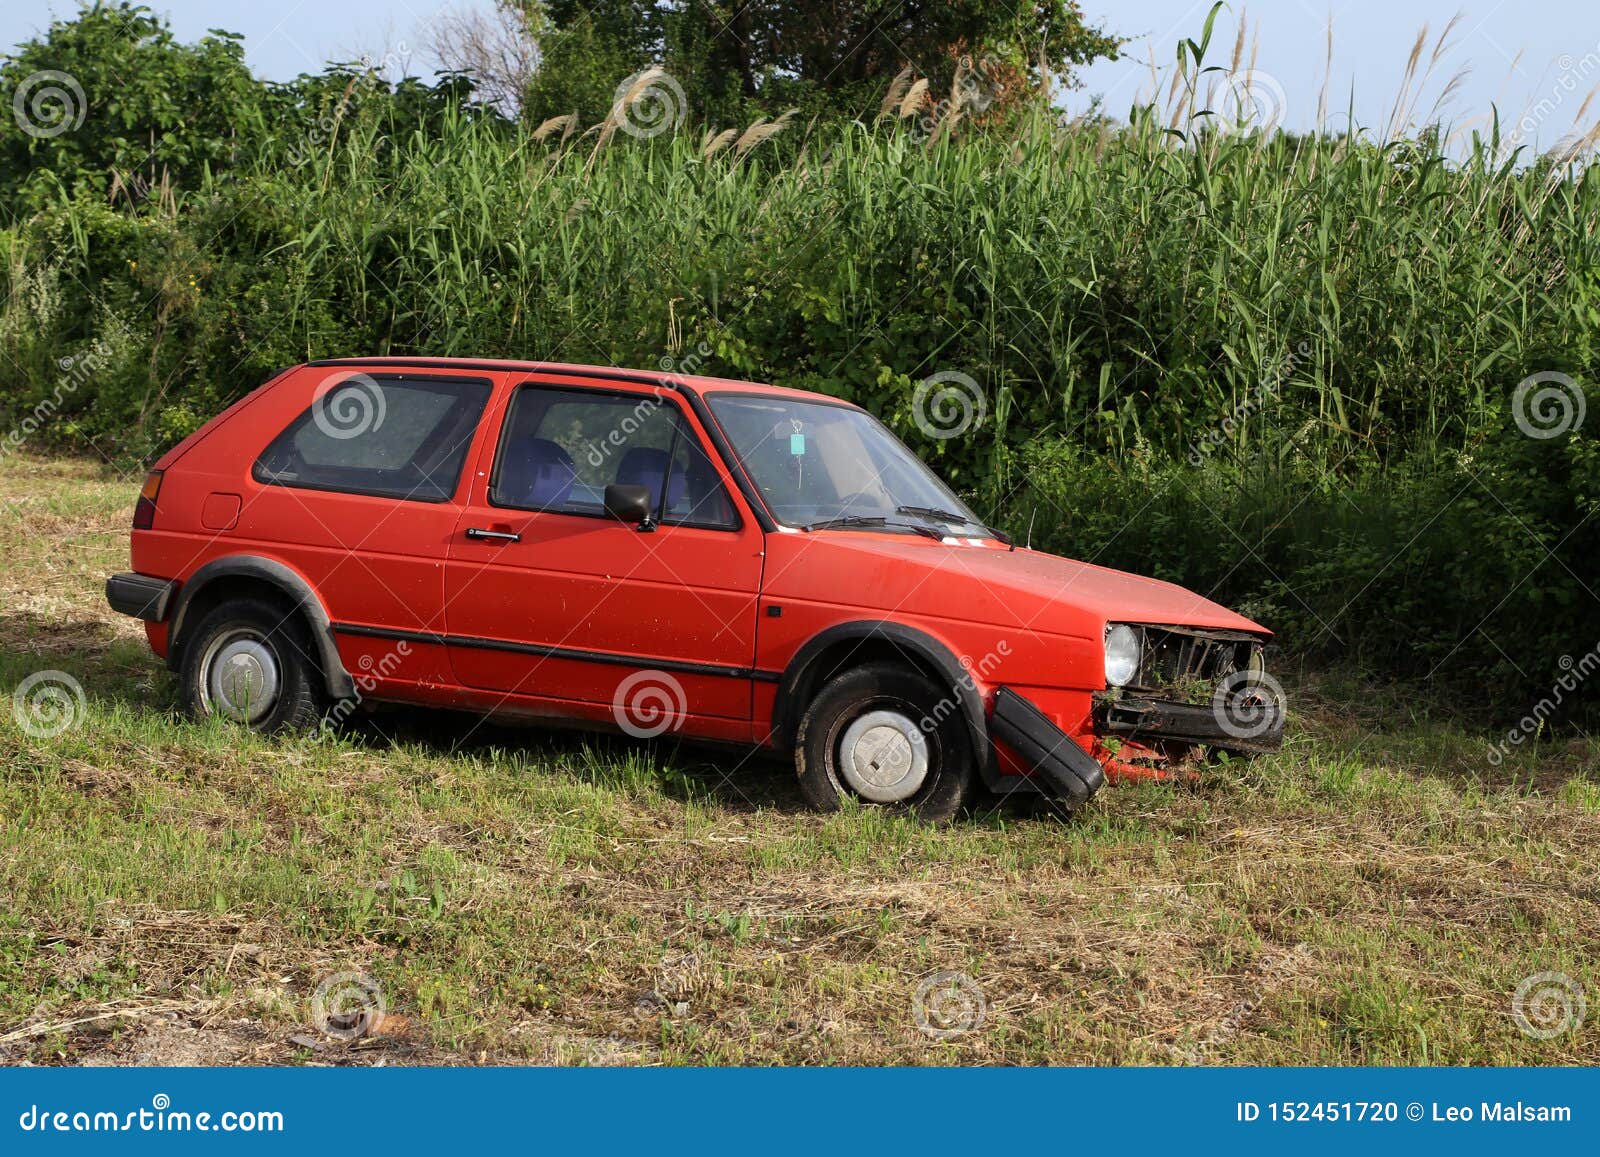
(393, 436)
(562, 448)
(819, 463)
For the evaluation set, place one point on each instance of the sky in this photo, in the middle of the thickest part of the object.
(1535, 59)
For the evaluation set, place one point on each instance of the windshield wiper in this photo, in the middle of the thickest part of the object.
(952, 517)
(873, 520)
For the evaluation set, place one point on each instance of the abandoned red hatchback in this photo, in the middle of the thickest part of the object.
(661, 554)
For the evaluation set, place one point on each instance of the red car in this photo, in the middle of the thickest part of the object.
(726, 561)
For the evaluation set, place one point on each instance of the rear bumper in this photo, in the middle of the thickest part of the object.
(1070, 772)
(1252, 729)
(141, 596)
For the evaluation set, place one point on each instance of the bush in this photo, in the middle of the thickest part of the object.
(1474, 573)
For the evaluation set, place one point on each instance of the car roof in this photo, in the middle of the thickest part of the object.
(700, 383)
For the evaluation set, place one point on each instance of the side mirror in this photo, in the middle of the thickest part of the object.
(629, 504)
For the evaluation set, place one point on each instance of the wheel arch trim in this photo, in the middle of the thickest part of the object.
(797, 684)
(288, 582)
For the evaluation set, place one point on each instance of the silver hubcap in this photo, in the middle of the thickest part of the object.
(884, 757)
(241, 677)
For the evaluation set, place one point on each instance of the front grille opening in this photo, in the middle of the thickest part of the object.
(1185, 665)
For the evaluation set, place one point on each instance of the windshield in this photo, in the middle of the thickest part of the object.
(816, 463)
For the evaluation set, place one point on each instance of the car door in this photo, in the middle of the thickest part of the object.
(547, 595)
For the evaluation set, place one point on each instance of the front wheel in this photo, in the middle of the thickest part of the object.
(888, 736)
(250, 661)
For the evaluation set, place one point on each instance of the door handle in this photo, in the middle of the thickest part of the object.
(493, 535)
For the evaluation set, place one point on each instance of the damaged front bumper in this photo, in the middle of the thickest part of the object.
(1071, 773)
(1245, 724)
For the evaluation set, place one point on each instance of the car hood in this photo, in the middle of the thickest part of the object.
(985, 582)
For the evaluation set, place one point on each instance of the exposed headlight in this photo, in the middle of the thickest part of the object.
(1257, 666)
(1122, 655)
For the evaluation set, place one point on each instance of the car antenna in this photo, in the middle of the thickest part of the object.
(1031, 517)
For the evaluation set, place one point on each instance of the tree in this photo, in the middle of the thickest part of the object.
(736, 59)
(498, 50)
(112, 94)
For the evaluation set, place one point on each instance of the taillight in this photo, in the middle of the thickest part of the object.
(144, 513)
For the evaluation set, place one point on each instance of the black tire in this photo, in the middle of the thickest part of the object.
(298, 702)
(950, 762)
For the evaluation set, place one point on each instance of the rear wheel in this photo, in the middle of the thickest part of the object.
(888, 736)
(251, 661)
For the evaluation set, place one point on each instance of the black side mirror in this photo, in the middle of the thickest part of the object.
(630, 504)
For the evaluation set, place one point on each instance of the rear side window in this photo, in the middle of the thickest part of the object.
(395, 436)
(561, 449)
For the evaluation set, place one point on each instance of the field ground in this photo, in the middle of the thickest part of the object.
(174, 893)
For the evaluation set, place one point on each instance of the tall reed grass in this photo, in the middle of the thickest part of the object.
(1183, 290)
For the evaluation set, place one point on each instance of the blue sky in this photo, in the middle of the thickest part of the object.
(1534, 58)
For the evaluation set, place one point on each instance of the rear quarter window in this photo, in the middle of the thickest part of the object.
(394, 436)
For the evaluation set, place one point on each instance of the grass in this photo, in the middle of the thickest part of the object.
(175, 892)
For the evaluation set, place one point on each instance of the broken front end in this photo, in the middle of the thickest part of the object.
(1172, 691)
